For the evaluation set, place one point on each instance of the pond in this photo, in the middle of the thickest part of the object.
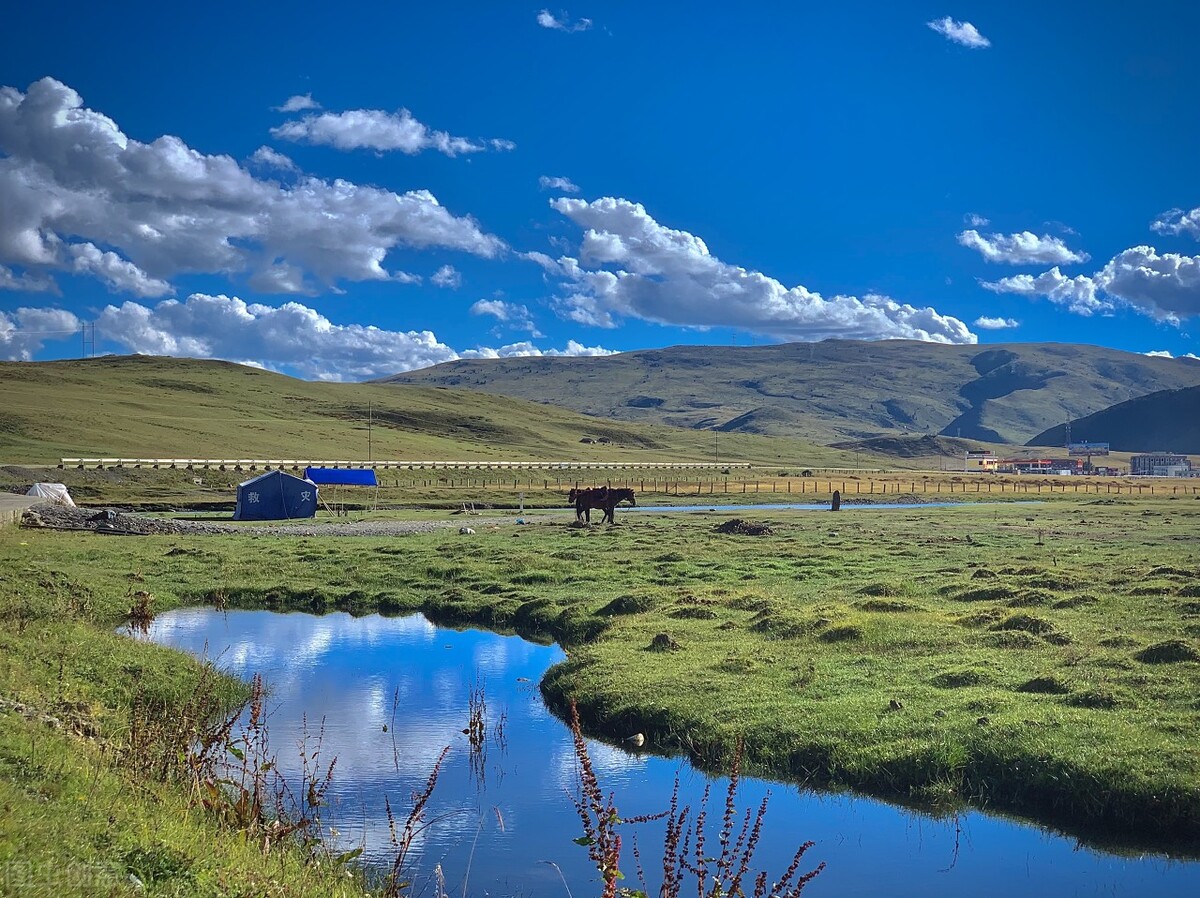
(391, 692)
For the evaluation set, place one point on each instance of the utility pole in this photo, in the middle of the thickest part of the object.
(88, 333)
(715, 434)
(370, 417)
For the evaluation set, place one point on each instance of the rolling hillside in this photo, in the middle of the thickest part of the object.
(1168, 420)
(143, 406)
(836, 390)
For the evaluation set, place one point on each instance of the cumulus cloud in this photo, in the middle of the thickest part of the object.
(1176, 221)
(566, 185)
(525, 349)
(562, 22)
(1167, 354)
(995, 324)
(1164, 286)
(1078, 293)
(166, 208)
(960, 33)
(512, 314)
(269, 158)
(976, 221)
(119, 275)
(290, 337)
(631, 266)
(1017, 249)
(26, 282)
(375, 129)
(446, 276)
(25, 331)
(298, 103)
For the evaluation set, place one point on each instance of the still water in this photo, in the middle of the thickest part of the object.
(504, 824)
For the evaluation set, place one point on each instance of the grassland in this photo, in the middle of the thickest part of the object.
(142, 406)
(1040, 660)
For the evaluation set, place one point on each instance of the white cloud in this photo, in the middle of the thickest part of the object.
(504, 146)
(960, 32)
(524, 349)
(995, 324)
(168, 209)
(513, 314)
(1164, 286)
(976, 221)
(1167, 354)
(291, 336)
(1078, 293)
(298, 103)
(1017, 249)
(119, 275)
(562, 22)
(1176, 221)
(566, 185)
(447, 276)
(375, 129)
(631, 266)
(23, 332)
(269, 158)
(25, 282)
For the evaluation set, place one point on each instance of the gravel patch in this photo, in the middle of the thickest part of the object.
(107, 520)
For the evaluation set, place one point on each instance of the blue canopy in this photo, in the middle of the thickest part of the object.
(275, 496)
(342, 476)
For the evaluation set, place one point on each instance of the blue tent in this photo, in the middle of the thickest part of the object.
(342, 476)
(275, 496)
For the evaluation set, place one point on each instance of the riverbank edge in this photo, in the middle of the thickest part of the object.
(1118, 820)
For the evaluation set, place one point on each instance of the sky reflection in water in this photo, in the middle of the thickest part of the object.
(503, 825)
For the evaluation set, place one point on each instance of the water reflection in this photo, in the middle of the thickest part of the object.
(392, 692)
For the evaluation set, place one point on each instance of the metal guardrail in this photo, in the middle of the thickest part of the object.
(268, 464)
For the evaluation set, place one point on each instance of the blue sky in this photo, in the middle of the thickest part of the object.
(602, 177)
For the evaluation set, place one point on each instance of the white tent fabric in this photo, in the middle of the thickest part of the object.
(54, 493)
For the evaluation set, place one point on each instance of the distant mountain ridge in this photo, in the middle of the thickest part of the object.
(836, 390)
(1168, 420)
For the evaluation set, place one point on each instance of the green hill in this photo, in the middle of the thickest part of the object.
(836, 390)
(1168, 420)
(148, 407)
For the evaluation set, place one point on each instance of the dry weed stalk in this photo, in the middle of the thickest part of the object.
(728, 874)
(396, 884)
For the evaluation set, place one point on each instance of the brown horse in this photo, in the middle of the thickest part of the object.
(585, 500)
(611, 501)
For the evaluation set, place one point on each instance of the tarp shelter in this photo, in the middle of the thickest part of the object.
(343, 477)
(275, 496)
(53, 493)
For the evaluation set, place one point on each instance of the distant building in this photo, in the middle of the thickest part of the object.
(1041, 466)
(982, 461)
(1160, 464)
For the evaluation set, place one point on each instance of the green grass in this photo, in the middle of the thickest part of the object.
(142, 406)
(937, 657)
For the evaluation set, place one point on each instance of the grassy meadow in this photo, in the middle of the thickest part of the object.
(1040, 660)
(147, 407)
